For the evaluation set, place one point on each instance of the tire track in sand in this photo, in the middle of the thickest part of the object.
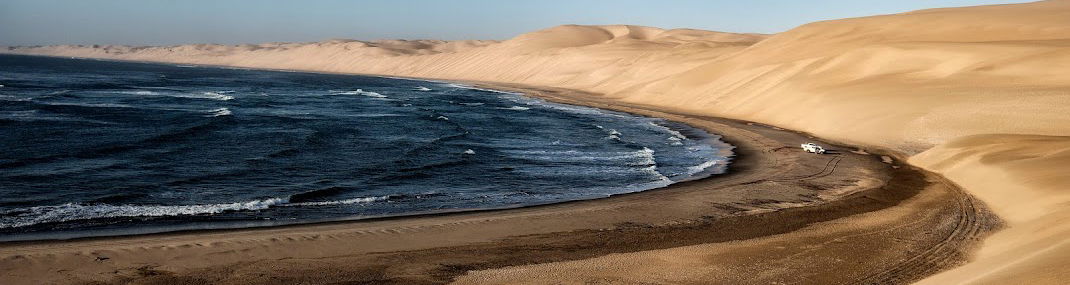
(971, 222)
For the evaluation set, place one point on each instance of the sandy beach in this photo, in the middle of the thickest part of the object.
(950, 129)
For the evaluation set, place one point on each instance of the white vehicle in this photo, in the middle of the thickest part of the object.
(813, 148)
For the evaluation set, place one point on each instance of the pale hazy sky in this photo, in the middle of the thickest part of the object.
(155, 22)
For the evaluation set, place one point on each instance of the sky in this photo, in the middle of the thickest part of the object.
(166, 22)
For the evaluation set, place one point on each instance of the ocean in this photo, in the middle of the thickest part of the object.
(100, 148)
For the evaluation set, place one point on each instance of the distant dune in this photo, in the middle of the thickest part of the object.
(979, 94)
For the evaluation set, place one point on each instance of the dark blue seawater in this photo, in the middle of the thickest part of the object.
(93, 147)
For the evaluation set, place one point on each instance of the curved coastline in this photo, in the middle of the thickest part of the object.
(206, 227)
(771, 193)
(883, 82)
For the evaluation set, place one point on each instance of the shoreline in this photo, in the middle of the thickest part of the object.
(161, 231)
(982, 111)
(443, 247)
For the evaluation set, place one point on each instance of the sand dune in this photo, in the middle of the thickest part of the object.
(979, 94)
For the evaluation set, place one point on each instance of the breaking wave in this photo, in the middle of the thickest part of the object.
(361, 200)
(220, 112)
(72, 211)
(318, 148)
(462, 86)
(642, 157)
(702, 167)
(516, 108)
(359, 92)
(194, 95)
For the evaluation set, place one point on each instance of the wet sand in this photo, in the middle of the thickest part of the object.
(779, 215)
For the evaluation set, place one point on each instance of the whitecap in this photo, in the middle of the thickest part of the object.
(702, 167)
(91, 105)
(37, 116)
(653, 171)
(212, 95)
(359, 92)
(74, 211)
(471, 104)
(640, 157)
(461, 86)
(220, 112)
(140, 92)
(200, 95)
(671, 132)
(516, 108)
(444, 118)
(421, 88)
(360, 200)
(470, 152)
(13, 98)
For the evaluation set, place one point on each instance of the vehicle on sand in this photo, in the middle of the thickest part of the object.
(813, 148)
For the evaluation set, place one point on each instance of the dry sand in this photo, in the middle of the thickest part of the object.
(977, 94)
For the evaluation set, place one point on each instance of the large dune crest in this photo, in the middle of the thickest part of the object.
(979, 94)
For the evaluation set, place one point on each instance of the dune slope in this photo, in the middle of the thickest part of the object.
(979, 94)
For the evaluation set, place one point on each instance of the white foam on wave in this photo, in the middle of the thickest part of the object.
(641, 157)
(359, 92)
(653, 171)
(516, 108)
(220, 112)
(213, 96)
(519, 98)
(613, 135)
(673, 133)
(462, 86)
(421, 88)
(73, 211)
(13, 98)
(444, 118)
(198, 95)
(140, 92)
(471, 104)
(702, 167)
(38, 116)
(360, 200)
(92, 105)
(469, 152)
